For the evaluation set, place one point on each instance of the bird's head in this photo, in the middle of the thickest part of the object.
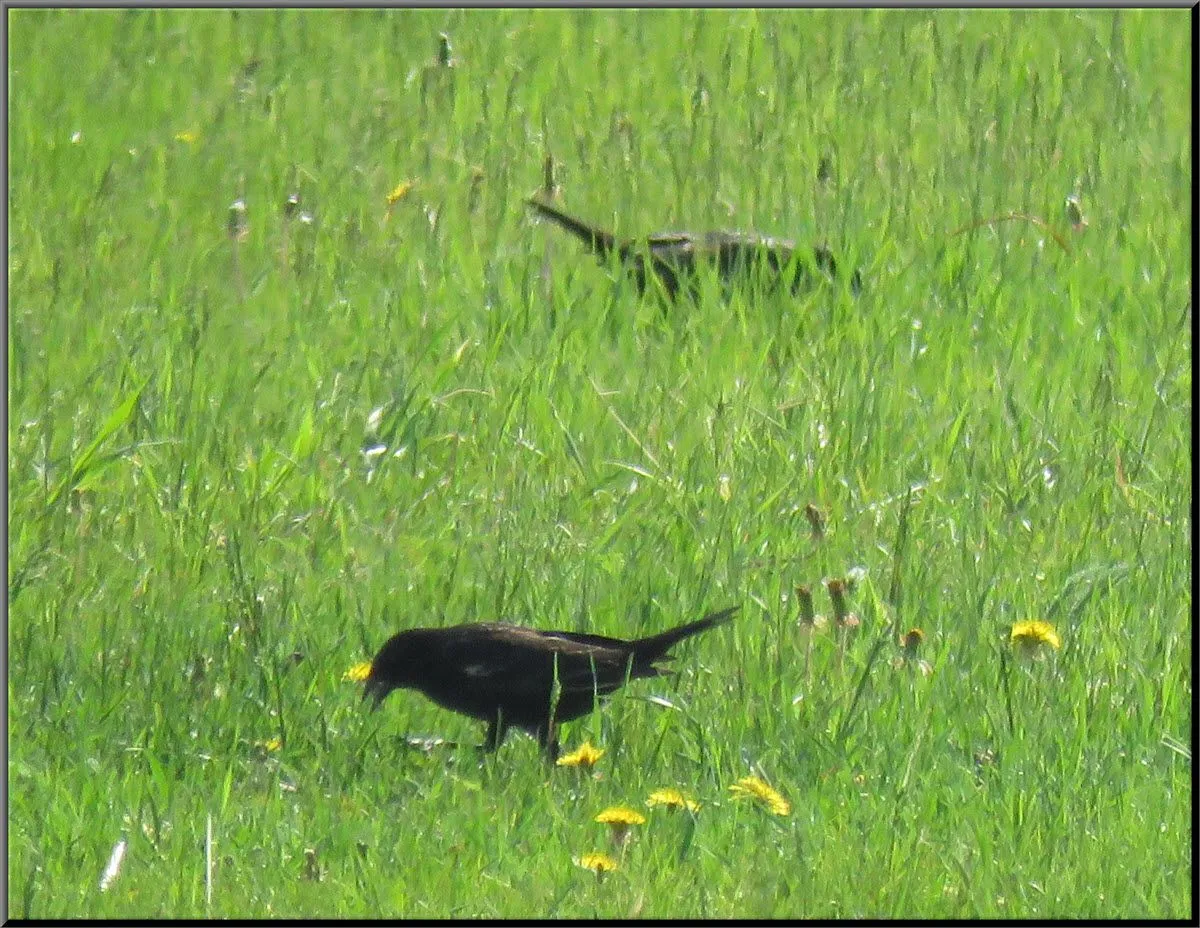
(398, 664)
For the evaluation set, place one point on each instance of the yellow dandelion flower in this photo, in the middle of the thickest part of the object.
(188, 137)
(583, 756)
(271, 744)
(672, 800)
(763, 792)
(1030, 636)
(399, 192)
(358, 672)
(597, 862)
(621, 816)
(620, 819)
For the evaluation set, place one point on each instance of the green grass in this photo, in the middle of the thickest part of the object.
(235, 468)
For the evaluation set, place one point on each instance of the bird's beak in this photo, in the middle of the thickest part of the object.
(376, 689)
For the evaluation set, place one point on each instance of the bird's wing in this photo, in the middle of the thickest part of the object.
(735, 239)
(525, 661)
(596, 663)
(670, 239)
(591, 662)
(491, 651)
(587, 641)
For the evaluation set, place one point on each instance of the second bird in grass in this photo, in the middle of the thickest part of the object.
(510, 676)
(673, 257)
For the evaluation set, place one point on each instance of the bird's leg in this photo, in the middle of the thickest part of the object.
(825, 260)
(496, 732)
(548, 739)
(668, 275)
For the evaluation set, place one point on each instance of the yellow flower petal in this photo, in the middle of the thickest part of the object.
(622, 816)
(1033, 633)
(358, 672)
(584, 756)
(762, 792)
(400, 191)
(672, 799)
(598, 863)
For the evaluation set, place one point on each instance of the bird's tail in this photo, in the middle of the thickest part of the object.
(601, 242)
(653, 648)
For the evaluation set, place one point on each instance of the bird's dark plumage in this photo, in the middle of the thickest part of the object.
(505, 674)
(673, 257)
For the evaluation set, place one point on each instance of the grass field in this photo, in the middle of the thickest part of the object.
(246, 446)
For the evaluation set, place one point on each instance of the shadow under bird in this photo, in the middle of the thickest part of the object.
(673, 257)
(510, 676)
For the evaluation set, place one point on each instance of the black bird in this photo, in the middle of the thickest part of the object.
(506, 675)
(672, 257)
